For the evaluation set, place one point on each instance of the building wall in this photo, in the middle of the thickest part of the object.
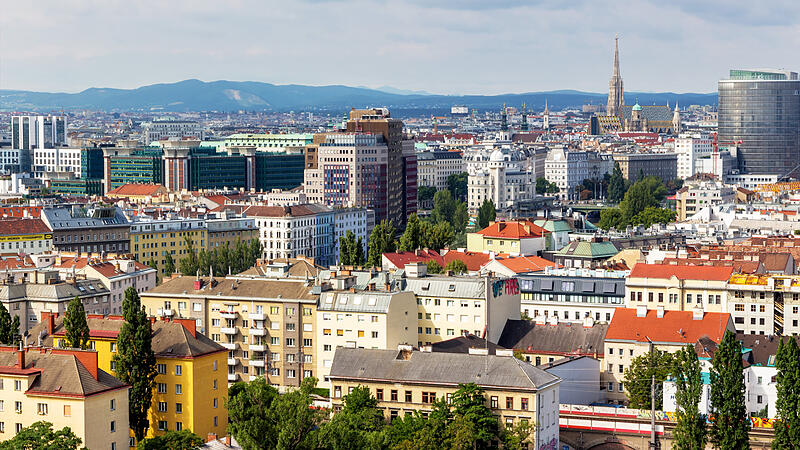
(676, 295)
(580, 381)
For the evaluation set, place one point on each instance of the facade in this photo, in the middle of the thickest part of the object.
(269, 141)
(169, 128)
(32, 132)
(761, 110)
(567, 169)
(678, 288)
(520, 237)
(92, 229)
(117, 276)
(571, 297)
(633, 331)
(25, 236)
(138, 192)
(363, 319)
(190, 384)
(661, 165)
(66, 388)
(434, 167)
(227, 228)
(690, 148)
(152, 238)
(694, 196)
(585, 254)
(267, 325)
(59, 160)
(404, 381)
(764, 304)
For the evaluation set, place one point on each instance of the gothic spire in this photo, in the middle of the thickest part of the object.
(616, 56)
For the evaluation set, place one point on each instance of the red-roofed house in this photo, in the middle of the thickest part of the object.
(144, 192)
(678, 288)
(632, 330)
(20, 211)
(515, 265)
(520, 237)
(24, 236)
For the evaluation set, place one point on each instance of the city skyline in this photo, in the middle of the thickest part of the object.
(443, 48)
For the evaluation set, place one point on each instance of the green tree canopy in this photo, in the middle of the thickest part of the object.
(358, 425)
(639, 374)
(457, 266)
(412, 236)
(41, 436)
(787, 404)
(9, 327)
(425, 193)
(434, 267)
(457, 185)
(616, 185)
(351, 250)
(444, 207)
(172, 440)
(169, 264)
(730, 427)
(652, 215)
(486, 214)
(437, 237)
(381, 241)
(135, 361)
(545, 187)
(75, 327)
(610, 218)
(690, 431)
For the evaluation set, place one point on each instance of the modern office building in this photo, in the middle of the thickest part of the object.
(169, 128)
(759, 112)
(32, 132)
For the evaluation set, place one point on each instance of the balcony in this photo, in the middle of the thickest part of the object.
(228, 314)
(228, 345)
(231, 331)
(257, 363)
(232, 361)
(233, 377)
(257, 316)
(258, 348)
(258, 331)
(255, 377)
(164, 312)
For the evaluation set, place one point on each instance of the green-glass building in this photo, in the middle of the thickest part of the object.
(278, 170)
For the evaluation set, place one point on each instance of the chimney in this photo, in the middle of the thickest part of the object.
(641, 311)
(189, 324)
(660, 312)
(49, 318)
(87, 358)
(198, 285)
(21, 357)
(211, 437)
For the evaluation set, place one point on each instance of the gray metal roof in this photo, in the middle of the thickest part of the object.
(438, 368)
(62, 291)
(62, 218)
(558, 284)
(442, 286)
(370, 301)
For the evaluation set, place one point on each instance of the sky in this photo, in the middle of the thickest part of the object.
(439, 46)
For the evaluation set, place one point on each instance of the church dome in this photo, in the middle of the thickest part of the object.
(497, 156)
(636, 107)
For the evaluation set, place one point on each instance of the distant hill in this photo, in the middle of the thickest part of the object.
(196, 95)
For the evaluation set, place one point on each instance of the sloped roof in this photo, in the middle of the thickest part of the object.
(526, 264)
(739, 266)
(231, 287)
(462, 344)
(676, 327)
(17, 226)
(439, 368)
(513, 230)
(561, 339)
(137, 189)
(586, 249)
(307, 209)
(666, 271)
(553, 225)
(400, 259)
(19, 211)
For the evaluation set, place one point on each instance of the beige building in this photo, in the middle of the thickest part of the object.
(267, 326)
(404, 381)
(678, 288)
(633, 331)
(765, 304)
(65, 388)
(363, 319)
(694, 196)
(661, 165)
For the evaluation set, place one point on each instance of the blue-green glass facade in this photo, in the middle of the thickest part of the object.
(278, 171)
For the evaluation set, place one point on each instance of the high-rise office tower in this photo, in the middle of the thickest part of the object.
(759, 113)
(32, 132)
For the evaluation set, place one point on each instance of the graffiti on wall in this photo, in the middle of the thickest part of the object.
(508, 286)
(552, 445)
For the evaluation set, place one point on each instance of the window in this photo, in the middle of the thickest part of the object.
(759, 399)
(307, 342)
(67, 410)
(523, 404)
(393, 395)
(178, 426)
(178, 370)
(738, 307)
(493, 402)
(428, 397)
(509, 402)
(621, 388)
(178, 408)
(620, 370)
(162, 388)
(408, 396)
(113, 426)
(112, 404)
(18, 407)
(161, 368)
(17, 385)
(215, 402)
(41, 409)
(379, 394)
(162, 406)
(162, 425)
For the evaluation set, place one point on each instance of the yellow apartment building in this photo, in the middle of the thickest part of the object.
(65, 388)
(513, 237)
(678, 288)
(765, 304)
(155, 238)
(191, 385)
(226, 227)
(404, 381)
(266, 325)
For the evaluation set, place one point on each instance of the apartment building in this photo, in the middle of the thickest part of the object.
(647, 164)
(636, 331)
(92, 229)
(449, 306)
(59, 161)
(519, 237)
(541, 342)
(227, 228)
(404, 381)
(434, 167)
(155, 238)
(66, 388)
(191, 385)
(362, 319)
(159, 129)
(678, 288)
(267, 325)
(25, 236)
(566, 169)
(572, 295)
(690, 149)
(764, 304)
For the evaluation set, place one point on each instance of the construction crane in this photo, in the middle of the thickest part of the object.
(436, 123)
(715, 153)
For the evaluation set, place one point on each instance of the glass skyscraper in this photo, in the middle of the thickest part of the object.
(759, 112)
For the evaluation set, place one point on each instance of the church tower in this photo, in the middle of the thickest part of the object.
(546, 117)
(676, 120)
(616, 96)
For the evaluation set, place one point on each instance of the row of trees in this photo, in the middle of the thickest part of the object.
(260, 417)
(224, 259)
(640, 205)
(9, 327)
(41, 436)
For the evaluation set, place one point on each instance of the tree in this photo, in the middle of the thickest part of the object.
(8, 332)
(189, 265)
(425, 193)
(444, 207)
(456, 266)
(351, 250)
(434, 267)
(690, 431)
(294, 418)
(153, 264)
(638, 378)
(460, 217)
(172, 440)
(249, 413)
(135, 361)
(457, 185)
(516, 436)
(381, 241)
(652, 215)
(169, 264)
(469, 402)
(436, 236)
(41, 436)
(787, 404)
(730, 425)
(486, 214)
(610, 218)
(358, 425)
(75, 327)
(412, 236)
(616, 185)
(545, 187)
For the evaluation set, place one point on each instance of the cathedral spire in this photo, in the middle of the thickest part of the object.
(616, 57)
(616, 96)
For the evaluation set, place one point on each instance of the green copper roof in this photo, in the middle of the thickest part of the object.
(586, 249)
(553, 225)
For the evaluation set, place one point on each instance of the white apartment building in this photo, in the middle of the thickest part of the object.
(567, 169)
(167, 128)
(32, 132)
(690, 148)
(57, 160)
(10, 159)
(434, 167)
(362, 319)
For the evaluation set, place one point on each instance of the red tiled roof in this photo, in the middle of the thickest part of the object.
(525, 264)
(513, 230)
(666, 271)
(137, 189)
(15, 227)
(400, 259)
(473, 260)
(19, 211)
(15, 263)
(676, 327)
(739, 266)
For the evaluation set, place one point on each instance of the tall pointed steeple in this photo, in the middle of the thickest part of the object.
(616, 95)
(546, 116)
